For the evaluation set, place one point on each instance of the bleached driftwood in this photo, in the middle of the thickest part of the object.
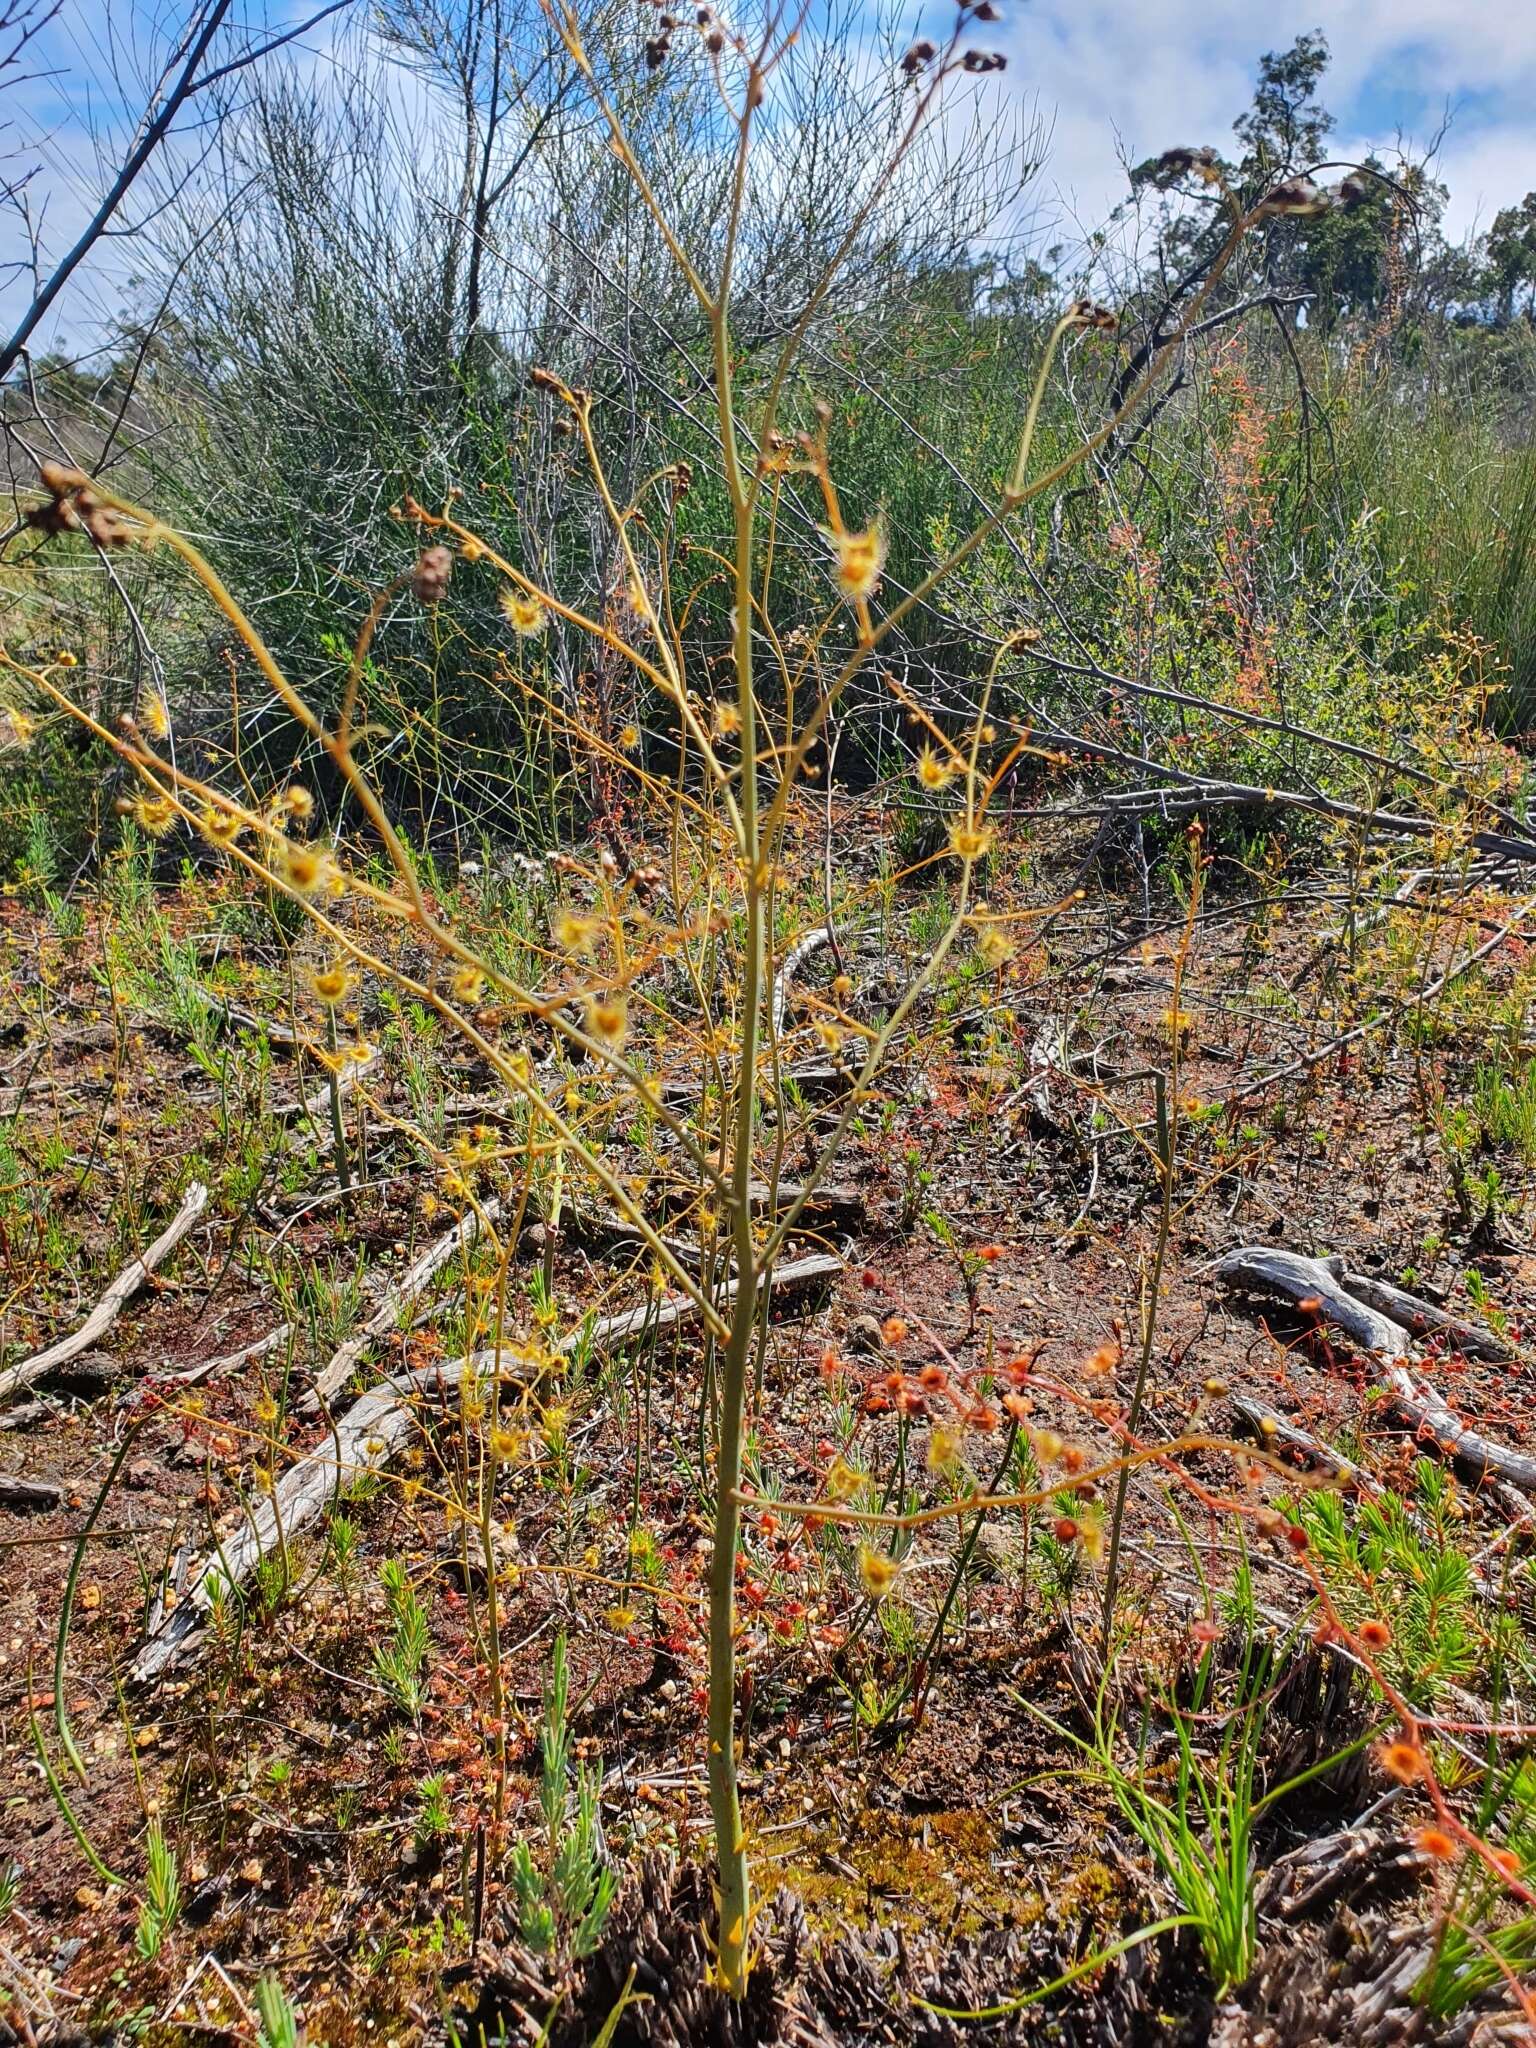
(34, 1496)
(1385, 1319)
(111, 1304)
(310, 1108)
(802, 950)
(1284, 1440)
(228, 1361)
(411, 1283)
(1417, 1402)
(1261, 1269)
(1423, 1318)
(366, 1439)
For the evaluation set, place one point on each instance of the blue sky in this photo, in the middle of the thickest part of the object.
(1132, 77)
(1110, 78)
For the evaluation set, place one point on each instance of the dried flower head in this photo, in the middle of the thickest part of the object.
(1176, 163)
(932, 772)
(154, 815)
(1402, 1760)
(994, 948)
(984, 60)
(574, 934)
(918, 58)
(222, 827)
(1300, 197)
(843, 1479)
(1089, 313)
(968, 841)
(607, 1020)
(307, 870)
(946, 1449)
(430, 577)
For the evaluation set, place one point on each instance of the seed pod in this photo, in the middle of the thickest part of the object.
(429, 579)
(1297, 196)
(918, 58)
(61, 480)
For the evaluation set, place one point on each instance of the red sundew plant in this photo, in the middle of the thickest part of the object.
(1067, 1466)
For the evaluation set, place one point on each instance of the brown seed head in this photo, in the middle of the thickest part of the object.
(429, 579)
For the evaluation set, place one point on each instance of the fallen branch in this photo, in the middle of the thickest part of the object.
(1479, 1456)
(366, 1439)
(406, 1289)
(214, 1368)
(1285, 1441)
(1386, 1324)
(1261, 1269)
(111, 1304)
(311, 1108)
(28, 1496)
(1421, 1318)
(651, 1317)
(801, 951)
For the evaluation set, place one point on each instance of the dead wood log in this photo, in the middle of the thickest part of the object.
(1423, 1318)
(25, 1415)
(802, 950)
(1386, 1329)
(367, 1437)
(107, 1309)
(265, 1027)
(310, 1108)
(405, 1290)
(228, 1361)
(1261, 1269)
(1285, 1441)
(28, 1496)
(1477, 1455)
(364, 1440)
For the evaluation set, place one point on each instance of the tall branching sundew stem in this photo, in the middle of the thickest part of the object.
(724, 1789)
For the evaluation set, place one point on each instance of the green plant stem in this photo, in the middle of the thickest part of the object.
(724, 1789)
(338, 1127)
(61, 1643)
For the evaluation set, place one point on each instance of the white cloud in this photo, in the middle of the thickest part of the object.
(1138, 77)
